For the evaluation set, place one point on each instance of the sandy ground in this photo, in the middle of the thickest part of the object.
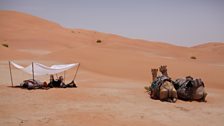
(101, 100)
(111, 78)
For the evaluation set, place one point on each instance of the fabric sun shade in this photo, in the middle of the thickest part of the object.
(40, 69)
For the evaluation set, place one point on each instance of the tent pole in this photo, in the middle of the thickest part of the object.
(33, 71)
(10, 72)
(64, 76)
(76, 71)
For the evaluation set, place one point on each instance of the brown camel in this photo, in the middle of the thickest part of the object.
(190, 89)
(162, 87)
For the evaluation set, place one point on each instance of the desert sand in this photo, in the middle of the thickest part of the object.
(111, 78)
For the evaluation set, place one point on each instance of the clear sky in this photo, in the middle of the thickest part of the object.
(180, 22)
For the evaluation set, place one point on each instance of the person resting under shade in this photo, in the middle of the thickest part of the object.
(60, 83)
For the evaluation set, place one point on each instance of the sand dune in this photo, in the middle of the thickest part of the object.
(111, 79)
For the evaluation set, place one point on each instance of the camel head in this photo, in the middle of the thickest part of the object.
(163, 70)
(154, 73)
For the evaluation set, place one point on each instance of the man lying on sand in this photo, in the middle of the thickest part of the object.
(35, 84)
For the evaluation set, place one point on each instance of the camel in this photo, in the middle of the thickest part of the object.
(162, 87)
(190, 89)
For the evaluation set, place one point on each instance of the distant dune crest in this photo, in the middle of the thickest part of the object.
(30, 37)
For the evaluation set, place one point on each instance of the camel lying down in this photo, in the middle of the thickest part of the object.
(190, 89)
(164, 89)
(167, 92)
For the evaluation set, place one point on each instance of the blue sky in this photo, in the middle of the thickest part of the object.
(180, 22)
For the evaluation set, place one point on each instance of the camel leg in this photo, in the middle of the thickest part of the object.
(174, 94)
(204, 96)
(199, 94)
(163, 94)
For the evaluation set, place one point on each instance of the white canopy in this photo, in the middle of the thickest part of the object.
(40, 69)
